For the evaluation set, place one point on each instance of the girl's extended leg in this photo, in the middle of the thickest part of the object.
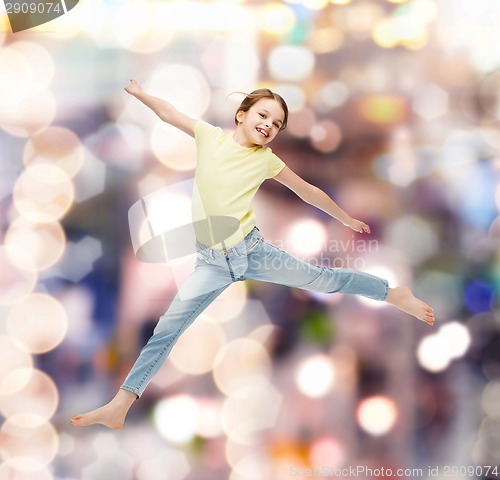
(181, 313)
(272, 264)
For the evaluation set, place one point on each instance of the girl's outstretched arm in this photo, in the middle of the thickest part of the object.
(316, 197)
(163, 109)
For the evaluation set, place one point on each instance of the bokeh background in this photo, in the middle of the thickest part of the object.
(395, 113)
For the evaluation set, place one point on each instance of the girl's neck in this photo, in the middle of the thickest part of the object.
(240, 139)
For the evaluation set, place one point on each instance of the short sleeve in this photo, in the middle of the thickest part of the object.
(204, 131)
(274, 165)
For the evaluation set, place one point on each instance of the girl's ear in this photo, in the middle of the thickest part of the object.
(240, 116)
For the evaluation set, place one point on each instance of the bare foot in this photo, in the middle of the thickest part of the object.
(111, 415)
(403, 298)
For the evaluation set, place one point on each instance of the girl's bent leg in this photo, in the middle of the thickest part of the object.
(176, 320)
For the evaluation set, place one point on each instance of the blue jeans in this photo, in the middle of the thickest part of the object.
(215, 270)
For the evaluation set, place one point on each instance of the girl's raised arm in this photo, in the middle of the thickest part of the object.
(316, 197)
(163, 109)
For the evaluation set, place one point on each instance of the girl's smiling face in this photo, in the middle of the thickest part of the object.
(260, 124)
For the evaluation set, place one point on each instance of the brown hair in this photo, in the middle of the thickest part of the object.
(253, 97)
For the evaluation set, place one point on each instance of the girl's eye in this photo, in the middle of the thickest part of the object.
(262, 115)
(276, 125)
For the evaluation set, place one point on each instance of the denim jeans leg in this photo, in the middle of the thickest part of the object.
(180, 315)
(269, 263)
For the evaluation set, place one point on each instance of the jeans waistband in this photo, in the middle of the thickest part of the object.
(238, 250)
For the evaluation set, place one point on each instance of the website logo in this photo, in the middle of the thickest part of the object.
(26, 14)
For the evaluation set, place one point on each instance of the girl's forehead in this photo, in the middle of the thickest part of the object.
(271, 105)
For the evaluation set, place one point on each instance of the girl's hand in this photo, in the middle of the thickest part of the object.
(134, 88)
(358, 226)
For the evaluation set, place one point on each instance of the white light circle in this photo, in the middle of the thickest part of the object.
(306, 237)
(176, 418)
(457, 337)
(377, 415)
(315, 376)
(433, 353)
(184, 86)
(291, 63)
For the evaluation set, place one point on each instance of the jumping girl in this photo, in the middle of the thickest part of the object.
(230, 169)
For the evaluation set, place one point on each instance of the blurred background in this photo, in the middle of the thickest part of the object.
(395, 112)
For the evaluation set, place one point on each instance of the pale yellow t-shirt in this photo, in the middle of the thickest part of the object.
(227, 178)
